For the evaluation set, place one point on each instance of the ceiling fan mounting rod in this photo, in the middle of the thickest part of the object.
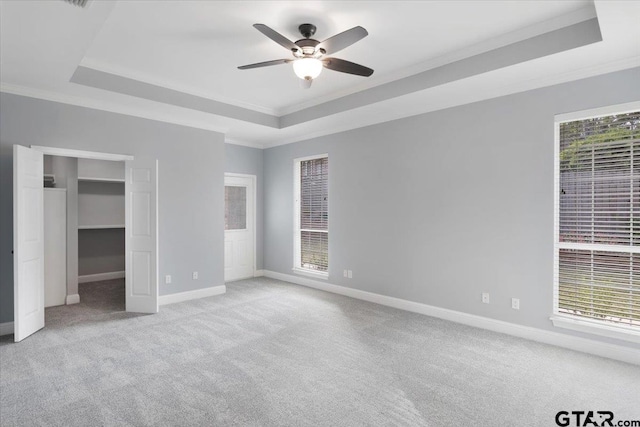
(307, 30)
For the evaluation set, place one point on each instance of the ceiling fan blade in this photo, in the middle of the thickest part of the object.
(342, 40)
(343, 66)
(276, 36)
(265, 64)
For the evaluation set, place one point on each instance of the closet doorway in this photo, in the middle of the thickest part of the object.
(32, 246)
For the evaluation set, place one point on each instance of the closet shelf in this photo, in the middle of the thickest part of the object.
(95, 179)
(99, 227)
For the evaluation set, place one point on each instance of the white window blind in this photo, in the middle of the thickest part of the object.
(312, 200)
(598, 220)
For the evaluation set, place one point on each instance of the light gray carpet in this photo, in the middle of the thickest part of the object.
(272, 353)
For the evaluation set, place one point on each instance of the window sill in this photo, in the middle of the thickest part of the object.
(621, 332)
(310, 273)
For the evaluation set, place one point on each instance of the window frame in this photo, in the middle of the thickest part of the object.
(565, 320)
(297, 244)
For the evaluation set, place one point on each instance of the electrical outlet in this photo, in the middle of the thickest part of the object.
(195, 275)
(485, 297)
(515, 303)
(167, 278)
(350, 274)
(345, 274)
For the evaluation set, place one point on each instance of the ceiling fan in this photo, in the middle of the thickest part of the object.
(309, 54)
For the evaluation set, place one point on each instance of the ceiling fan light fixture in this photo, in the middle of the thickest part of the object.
(309, 54)
(307, 68)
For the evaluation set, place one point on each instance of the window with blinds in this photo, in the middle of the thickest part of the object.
(598, 220)
(312, 214)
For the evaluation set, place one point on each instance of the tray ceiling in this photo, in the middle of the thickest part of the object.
(176, 61)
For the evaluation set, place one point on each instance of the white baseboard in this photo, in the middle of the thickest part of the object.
(73, 299)
(101, 276)
(6, 328)
(258, 273)
(584, 345)
(189, 295)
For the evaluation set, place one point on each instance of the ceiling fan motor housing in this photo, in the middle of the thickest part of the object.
(306, 47)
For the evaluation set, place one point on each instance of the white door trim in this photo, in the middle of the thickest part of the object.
(81, 154)
(96, 155)
(254, 181)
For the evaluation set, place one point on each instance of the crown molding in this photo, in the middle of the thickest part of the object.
(552, 24)
(613, 66)
(111, 107)
(98, 65)
(250, 144)
(502, 40)
(504, 90)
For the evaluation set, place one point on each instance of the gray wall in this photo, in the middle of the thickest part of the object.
(250, 161)
(441, 207)
(48, 165)
(191, 165)
(101, 251)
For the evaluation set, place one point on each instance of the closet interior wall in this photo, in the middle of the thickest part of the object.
(101, 218)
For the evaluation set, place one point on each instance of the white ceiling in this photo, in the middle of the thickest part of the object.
(198, 46)
(195, 47)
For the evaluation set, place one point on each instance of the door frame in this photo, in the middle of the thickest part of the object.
(96, 155)
(254, 182)
(81, 154)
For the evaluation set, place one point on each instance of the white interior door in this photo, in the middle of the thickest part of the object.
(141, 227)
(28, 242)
(239, 226)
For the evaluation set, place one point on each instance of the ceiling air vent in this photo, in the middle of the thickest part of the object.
(81, 3)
